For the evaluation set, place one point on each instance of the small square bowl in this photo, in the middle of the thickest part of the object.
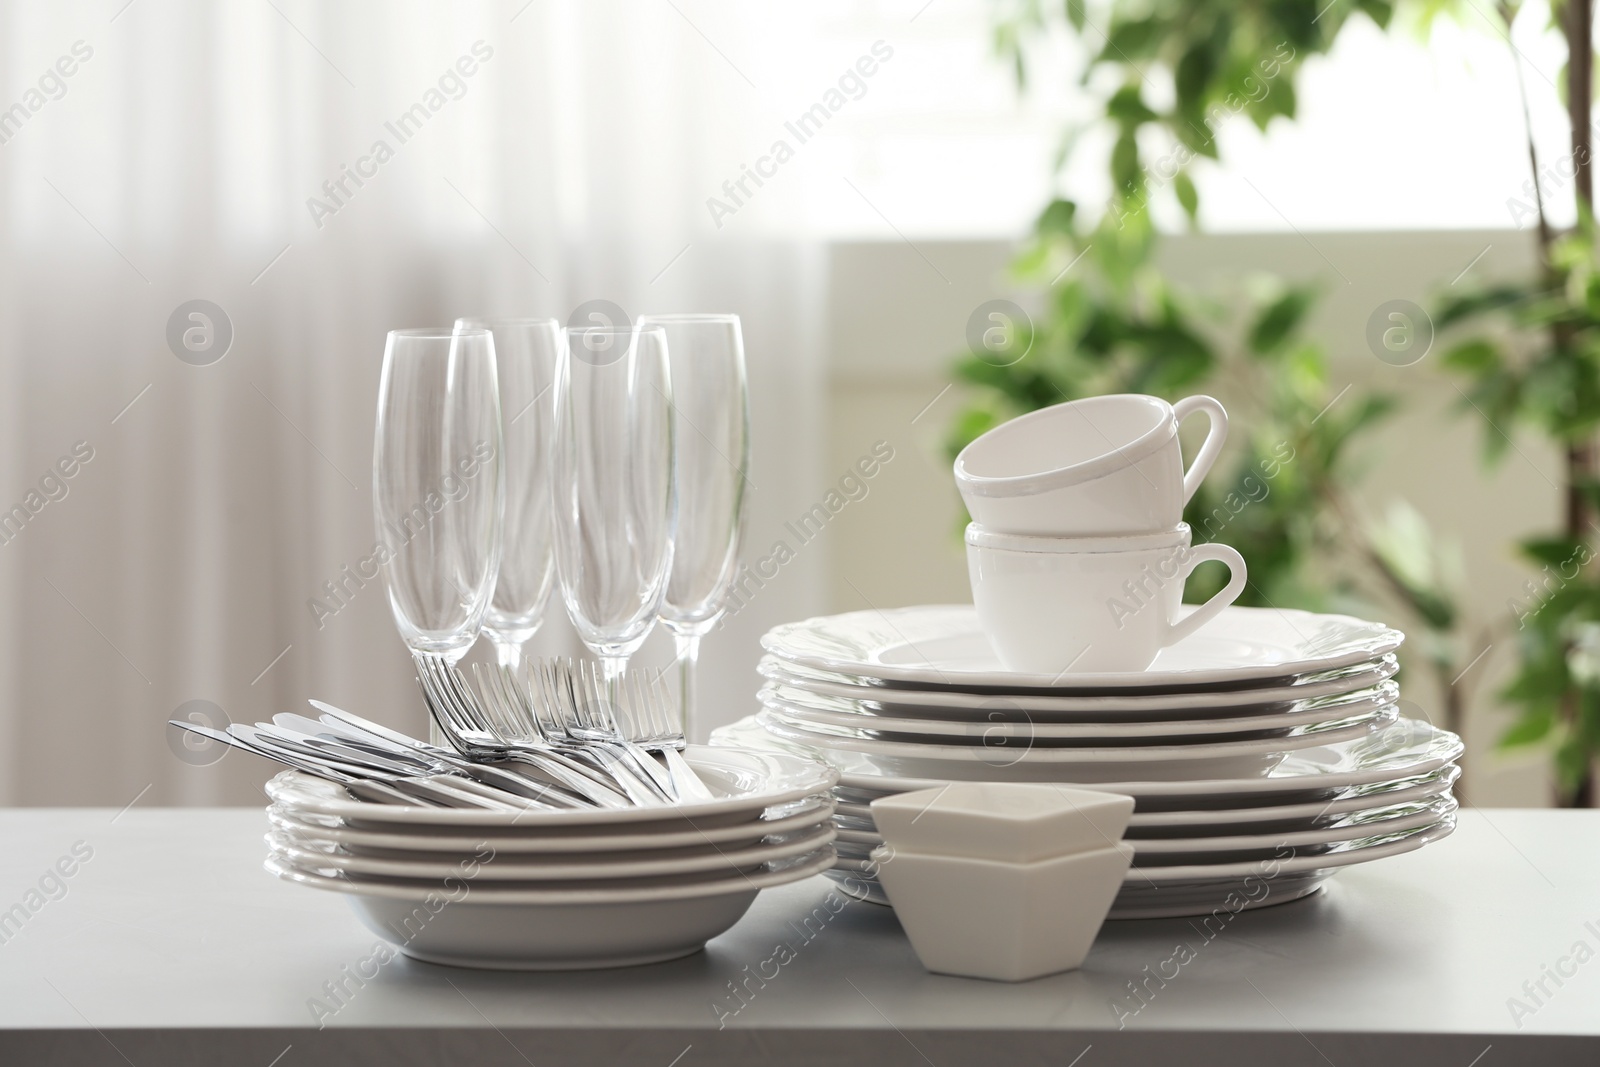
(1014, 822)
(1007, 922)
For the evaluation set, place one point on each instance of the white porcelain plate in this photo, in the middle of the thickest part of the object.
(1288, 861)
(1214, 822)
(1131, 705)
(1372, 822)
(999, 722)
(785, 818)
(489, 866)
(470, 925)
(1003, 754)
(942, 646)
(748, 783)
(1409, 748)
(631, 891)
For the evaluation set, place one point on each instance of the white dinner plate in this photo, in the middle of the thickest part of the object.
(942, 645)
(1290, 861)
(985, 759)
(1212, 822)
(1160, 902)
(478, 926)
(748, 782)
(986, 725)
(1389, 819)
(1409, 748)
(490, 866)
(785, 818)
(1131, 705)
(633, 891)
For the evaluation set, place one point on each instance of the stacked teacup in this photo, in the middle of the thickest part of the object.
(1078, 552)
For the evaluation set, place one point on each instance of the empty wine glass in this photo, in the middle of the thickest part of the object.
(437, 485)
(526, 352)
(612, 481)
(711, 411)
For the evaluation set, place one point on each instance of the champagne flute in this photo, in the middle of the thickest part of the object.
(438, 485)
(612, 480)
(711, 413)
(526, 351)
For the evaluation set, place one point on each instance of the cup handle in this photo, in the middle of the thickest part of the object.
(1229, 593)
(1215, 438)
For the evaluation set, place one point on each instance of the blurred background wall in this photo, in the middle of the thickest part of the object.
(200, 151)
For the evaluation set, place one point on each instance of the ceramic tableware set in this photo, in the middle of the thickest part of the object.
(517, 888)
(1263, 748)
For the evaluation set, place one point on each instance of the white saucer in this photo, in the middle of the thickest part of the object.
(942, 646)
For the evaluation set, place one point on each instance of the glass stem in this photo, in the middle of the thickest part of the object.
(509, 654)
(688, 646)
(613, 667)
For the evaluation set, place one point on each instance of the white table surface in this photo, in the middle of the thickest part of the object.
(170, 945)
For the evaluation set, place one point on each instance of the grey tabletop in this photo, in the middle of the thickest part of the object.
(154, 937)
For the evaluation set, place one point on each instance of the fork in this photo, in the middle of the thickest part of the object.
(647, 716)
(512, 705)
(460, 717)
(650, 710)
(574, 711)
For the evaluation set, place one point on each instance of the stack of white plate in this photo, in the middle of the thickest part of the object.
(1264, 752)
(554, 890)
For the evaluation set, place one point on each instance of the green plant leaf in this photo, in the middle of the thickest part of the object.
(1460, 308)
(1554, 551)
(1279, 320)
(1379, 11)
(1192, 77)
(1131, 39)
(1531, 728)
(1188, 196)
(1129, 108)
(1477, 356)
(1057, 217)
(1077, 14)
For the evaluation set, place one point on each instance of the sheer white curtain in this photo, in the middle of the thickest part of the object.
(323, 173)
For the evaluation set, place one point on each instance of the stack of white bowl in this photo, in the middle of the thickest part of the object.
(560, 889)
(1263, 748)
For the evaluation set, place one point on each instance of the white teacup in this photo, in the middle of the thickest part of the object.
(1101, 465)
(1071, 605)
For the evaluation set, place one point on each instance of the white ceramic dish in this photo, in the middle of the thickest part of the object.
(999, 760)
(473, 926)
(1286, 817)
(801, 706)
(1340, 855)
(785, 818)
(1362, 825)
(749, 782)
(1160, 902)
(633, 890)
(1098, 465)
(944, 646)
(1132, 705)
(1067, 606)
(1407, 749)
(1008, 822)
(309, 853)
(1024, 930)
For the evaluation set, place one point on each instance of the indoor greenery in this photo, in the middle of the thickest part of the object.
(1108, 320)
(1536, 365)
